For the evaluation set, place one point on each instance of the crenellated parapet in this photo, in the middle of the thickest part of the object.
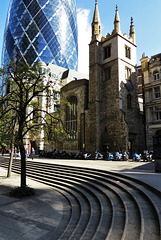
(117, 30)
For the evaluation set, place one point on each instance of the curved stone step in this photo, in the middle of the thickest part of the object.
(144, 224)
(94, 207)
(121, 203)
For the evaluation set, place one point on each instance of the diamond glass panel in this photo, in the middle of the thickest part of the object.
(32, 31)
(42, 30)
(34, 8)
(26, 2)
(30, 55)
(25, 19)
(40, 20)
(24, 43)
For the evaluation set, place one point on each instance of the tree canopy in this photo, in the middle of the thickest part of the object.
(24, 96)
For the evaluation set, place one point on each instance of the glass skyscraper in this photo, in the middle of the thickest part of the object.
(42, 30)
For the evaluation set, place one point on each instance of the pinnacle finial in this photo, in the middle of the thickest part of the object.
(132, 23)
(132, 31)
(96, 24)
(117, 21)
(117, 18)
(96, 17)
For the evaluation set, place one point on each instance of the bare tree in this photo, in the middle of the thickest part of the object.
(24, 89)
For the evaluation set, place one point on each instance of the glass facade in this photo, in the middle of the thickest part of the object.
(42, 30)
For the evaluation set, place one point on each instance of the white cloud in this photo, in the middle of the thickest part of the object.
(84, 37)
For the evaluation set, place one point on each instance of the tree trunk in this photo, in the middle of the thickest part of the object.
(10, 161)
(21, 145)
(23, 166)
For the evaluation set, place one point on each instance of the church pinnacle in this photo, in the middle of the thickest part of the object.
(132, 31)
(117, 22)
(96, 24)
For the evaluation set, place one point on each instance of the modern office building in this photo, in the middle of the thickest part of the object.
(42, 30)
(51, 103)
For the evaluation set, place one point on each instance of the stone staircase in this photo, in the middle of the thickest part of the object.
(99, 204)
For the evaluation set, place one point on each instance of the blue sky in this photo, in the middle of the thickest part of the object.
(147, 21)
(146, 15)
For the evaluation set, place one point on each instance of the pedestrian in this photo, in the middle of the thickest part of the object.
(10, 152)
(26, 153)
(2, 151)
(32, 153)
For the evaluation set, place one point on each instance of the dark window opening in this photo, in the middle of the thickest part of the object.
(128, 52)
(157, 112)
(93, 29)
(107, 51)
(71, 117)
(155, 75)
(157, 92)
(129, 101)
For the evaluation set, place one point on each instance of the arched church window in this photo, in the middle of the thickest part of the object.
(155, 75)
(71, 117)
(129, 101)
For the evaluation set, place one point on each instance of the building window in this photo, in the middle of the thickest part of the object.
(93, 30)
(56, 108)
(155, 75)
(53, 75)
(128, 52)
(157, 113)
(107, 51)
(129, 101)
(99, 29)
(56, 95)
(107, 73)
(127, 73)
(157, 92)
(42, 70)
(71, 117)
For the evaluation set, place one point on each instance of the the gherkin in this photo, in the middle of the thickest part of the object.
(42, 30)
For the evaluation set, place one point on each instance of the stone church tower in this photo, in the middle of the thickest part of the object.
(106, 109)
(114, 117)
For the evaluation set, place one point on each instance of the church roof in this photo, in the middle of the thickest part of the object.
(156, 56)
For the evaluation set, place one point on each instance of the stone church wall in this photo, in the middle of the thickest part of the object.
(113, 126)
(79, 89)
